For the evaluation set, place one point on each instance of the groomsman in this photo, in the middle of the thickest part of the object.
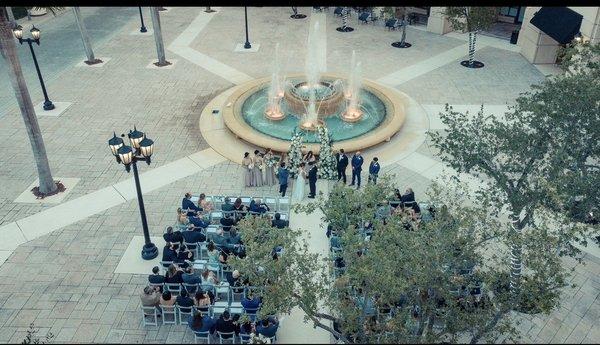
(282, 175)
(374, 170)
(357, 162)
(342, 163)
(312, 179)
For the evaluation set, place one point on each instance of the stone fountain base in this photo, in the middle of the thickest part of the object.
(325, 106)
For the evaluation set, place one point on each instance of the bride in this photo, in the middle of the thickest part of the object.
(298, 194)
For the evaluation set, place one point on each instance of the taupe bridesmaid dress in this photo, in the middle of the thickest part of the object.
(269, 171)
(257, 174)
(246, 162)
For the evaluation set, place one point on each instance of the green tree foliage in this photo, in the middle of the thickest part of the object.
(536, 160)
(471, 19)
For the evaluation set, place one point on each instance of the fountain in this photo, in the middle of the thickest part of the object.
(310, 121)
(273, 110)
(353, 112)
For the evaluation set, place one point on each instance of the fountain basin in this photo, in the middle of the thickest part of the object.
(329, 99)
(276, 135)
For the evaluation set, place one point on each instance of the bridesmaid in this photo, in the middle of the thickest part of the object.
(257, 174)
(269, 168)
(247, 164)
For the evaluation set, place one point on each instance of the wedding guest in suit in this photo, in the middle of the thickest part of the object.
(357, 162)
(342, 163)
(188, 204)
(247, 164)
(278, 222)
(283, 175)
(312, 180)
(374, 170)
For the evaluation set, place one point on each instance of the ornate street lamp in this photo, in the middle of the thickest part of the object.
(143, 148)
(35, 33)
(142, 28)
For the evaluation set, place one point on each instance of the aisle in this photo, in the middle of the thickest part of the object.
(292, 328)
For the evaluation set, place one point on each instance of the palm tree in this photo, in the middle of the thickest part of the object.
(91, 59)
(15, 74)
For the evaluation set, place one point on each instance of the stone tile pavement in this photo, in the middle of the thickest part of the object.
(64, 281)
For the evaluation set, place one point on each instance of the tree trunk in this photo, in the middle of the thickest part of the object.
(515, 260)
(345, 17)
(10, 16)
(9, 53)
(160, 47)
(85, 38)
(403, 40)
(472, 40)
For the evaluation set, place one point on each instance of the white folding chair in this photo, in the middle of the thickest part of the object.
(149, 312)
(202, 336)
(271, 202)
(183, 314)
(215, 217)
(168, 310)
(173, 288)
(226, 336)
(284, 204)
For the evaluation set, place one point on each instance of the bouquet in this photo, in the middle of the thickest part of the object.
(250, 166)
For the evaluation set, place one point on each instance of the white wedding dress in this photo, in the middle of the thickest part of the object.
(298, 194)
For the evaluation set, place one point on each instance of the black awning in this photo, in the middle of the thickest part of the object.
(560, 23)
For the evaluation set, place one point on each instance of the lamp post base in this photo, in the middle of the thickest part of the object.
(247, 45)
(143, 29)
(149, 251)
(298, 16)
(48, 105)
(345, 29)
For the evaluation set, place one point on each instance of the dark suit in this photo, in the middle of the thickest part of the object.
(193, 236)
(312, 181)
(227, 223)
(156, 279)
(174, 237)
(169, 254)
(279, 223)
(357, 162)
(189, 204)
(341, 166)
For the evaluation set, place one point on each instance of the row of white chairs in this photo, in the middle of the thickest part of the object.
(275, 203)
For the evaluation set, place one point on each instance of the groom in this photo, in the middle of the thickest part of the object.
(312, 179)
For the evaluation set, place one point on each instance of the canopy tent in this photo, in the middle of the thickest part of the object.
(560, 23)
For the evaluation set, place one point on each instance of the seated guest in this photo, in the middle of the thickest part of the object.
(205, 205)
(203, 299)
(236, 282)
(188, 204)
(226, 325)
(240, 209)
(250, 302)
(183, 256)
(258, 206)
(189, 277)
(408, 196)
(278, 222)
(209, 277)
(156, 277)
(194, 235)
(213, 253)
(227, 221)
(227, 205)
(170, 252)
(201, 323)
(182, 219)
(184, 301)
(198, 222)
(173, 275)
(397, 198)
(268, 327)
(167, 299)
(150, 297)
(416, 211)
(247, 328)
(173, 236)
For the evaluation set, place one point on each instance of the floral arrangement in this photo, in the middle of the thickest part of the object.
(295, 152)
(327, 163)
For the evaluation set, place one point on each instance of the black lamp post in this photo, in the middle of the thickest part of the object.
(142, 28)
(125, 154)
(247, 44)
(35, 33)
(297, 15)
